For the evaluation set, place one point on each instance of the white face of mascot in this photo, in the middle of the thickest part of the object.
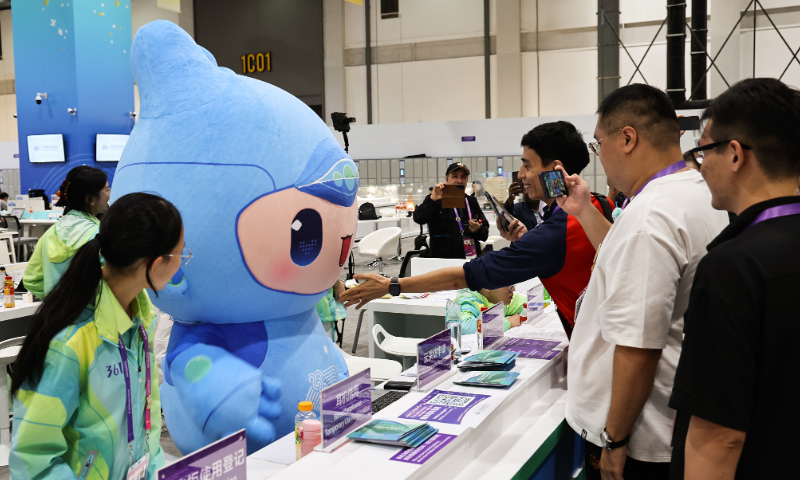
(268, 199)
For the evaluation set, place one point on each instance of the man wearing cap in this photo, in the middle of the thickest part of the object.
(448, 227)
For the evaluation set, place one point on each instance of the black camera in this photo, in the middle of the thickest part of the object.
(341, 123)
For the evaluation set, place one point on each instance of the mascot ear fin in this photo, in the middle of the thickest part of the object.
(173, 73)
(177, 286)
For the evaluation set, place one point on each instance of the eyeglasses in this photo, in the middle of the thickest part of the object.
(698, 154)
(186, 255)
(595, 146)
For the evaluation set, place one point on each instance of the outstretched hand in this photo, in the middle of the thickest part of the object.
(579, 198)
(375, 286)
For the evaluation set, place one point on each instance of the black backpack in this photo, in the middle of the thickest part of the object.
(367, 212)
(606, 204)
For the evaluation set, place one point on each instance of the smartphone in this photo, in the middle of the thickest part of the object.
(553, 183)
(505, 217)
(454, 196)
(689, 123)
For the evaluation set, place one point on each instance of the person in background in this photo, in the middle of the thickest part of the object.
(471, 303)
(526, 211)
(330, 310)
(688, 157)
(3, 201)
(557, 251)
(84, 194)
(87, 359)
(629, 325)
(449, 227)
(735, 386)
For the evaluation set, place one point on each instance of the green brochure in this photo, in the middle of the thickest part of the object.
(387, 432)
(490, 379)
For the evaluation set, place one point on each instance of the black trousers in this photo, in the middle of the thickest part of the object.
(634, 469)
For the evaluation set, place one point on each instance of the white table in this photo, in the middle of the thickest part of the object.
(20, 310)
(500, 446)
(414, 318)
(29, 222)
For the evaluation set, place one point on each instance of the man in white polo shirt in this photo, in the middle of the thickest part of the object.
(628, 330)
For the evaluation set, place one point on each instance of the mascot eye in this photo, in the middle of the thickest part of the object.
(306, 237)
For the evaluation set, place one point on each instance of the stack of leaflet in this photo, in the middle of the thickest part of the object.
(387, 432)
(490, 379)
(489, 360)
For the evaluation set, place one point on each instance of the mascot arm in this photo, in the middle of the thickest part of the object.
(223, 393)
(341, 365)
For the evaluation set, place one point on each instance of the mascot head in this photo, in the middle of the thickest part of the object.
(266, 193)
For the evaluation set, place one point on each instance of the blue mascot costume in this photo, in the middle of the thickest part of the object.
(268, 204)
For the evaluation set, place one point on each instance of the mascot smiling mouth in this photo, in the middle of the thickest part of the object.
(346, 242)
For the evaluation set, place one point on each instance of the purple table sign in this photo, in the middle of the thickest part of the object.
(493, 325)
(443, 407)
(433, 358)
(224, 459)
(346, 406)
(535, 302)
(541, 349)
(424, 452)
(467, 139)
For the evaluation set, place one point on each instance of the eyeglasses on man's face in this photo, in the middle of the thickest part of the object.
(186, 255)
(595, 146)
(698, 153)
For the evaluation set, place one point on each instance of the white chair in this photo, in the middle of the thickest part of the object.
(9, 349)
(423, 265)
(380, 244)
(381, 369)
(399, 346)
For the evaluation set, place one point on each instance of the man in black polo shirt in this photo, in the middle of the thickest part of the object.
(449, 227)
(736, 383)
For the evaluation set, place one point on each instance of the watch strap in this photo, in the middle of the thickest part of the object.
(610, 445)
(394, 287)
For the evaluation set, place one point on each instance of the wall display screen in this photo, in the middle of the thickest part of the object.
(110, 147)
(46, 148)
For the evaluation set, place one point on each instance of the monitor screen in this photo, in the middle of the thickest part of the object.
(46, 148)
(109, 147)
(17, 212)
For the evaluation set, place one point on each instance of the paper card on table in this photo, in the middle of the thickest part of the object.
(492, 321)
(424, 452)
(535, 302)
(346, 406)
(224, 458)
(433, 358)
(444, 407)
(526, 348)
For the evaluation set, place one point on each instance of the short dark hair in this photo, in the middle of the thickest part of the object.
(3, 195)
(763, 113)
(647, 109)
(558, 141)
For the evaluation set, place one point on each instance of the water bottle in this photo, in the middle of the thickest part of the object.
(452, 320)
(305, 412)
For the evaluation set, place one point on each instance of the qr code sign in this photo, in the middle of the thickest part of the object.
(457, 401)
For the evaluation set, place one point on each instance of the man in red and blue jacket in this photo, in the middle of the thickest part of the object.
(557, 250)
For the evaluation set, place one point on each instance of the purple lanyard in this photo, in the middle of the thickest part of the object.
(458, 219)
(775, 212)
(128, 402)
(677, 166)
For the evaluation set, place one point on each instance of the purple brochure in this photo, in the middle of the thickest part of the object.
(433, 358)
(346, 406)
(424, 452)
(224, 459)
(444, 407)
(527, 348)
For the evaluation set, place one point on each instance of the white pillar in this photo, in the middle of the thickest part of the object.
(724, 15)
(333, 45)
(509, 59)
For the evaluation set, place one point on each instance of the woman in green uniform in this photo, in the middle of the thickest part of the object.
(84, 195)
(85, 385)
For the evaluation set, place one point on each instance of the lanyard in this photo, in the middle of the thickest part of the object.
(458, 219)
(128, 402)
(775, 212)
(680, 165)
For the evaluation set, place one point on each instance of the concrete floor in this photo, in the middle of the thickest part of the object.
(391, 269)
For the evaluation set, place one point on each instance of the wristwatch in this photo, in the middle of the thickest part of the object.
(394, 287)
(609, 444)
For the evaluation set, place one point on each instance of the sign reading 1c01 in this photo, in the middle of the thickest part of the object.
(257, 62)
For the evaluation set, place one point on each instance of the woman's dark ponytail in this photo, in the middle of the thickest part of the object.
(80, 182)
(136, 226)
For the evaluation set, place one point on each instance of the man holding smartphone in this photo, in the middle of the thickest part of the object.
(557, 251)
(450, 227)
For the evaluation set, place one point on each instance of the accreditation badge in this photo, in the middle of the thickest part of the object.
(138, 470)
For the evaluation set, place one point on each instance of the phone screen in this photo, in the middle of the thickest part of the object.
(689, 123)
(553, 183)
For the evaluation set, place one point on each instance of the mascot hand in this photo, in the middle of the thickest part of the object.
(223, 394)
